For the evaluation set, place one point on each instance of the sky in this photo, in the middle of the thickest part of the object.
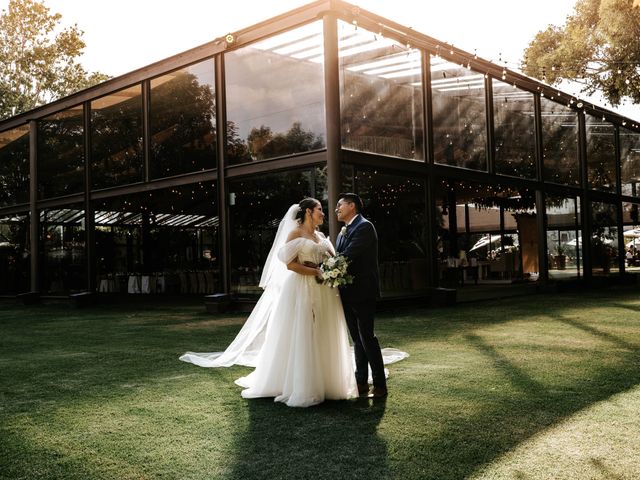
(123, 35)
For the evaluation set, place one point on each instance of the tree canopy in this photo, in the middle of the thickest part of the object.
(598, 47)
(38, 58)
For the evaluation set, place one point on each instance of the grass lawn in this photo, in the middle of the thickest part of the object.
(540, 387)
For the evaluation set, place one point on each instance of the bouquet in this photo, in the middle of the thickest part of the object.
(334, 271)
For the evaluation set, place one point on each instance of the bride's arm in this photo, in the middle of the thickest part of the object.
(302, 269)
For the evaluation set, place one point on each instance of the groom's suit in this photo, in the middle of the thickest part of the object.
(360, 246)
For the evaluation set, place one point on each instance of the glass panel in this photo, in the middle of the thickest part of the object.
(630, 161)
(116, 139)
(396, 206)
(564, 246)
(162, 241)
(14, 166)
(604, 240)
(256, 206)
(63, 267)
(61, 153)
(380, 93)
(15, 258)
(182, 120)
(514, 131)
(275, 96)
(485, 233)
(631, 234)
(601, 154)
(559, 143)
(459, 115)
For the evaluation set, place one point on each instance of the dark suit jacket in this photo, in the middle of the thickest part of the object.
(360, 246)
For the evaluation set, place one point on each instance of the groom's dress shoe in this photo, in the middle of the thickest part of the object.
(378, 392)
(363, 388)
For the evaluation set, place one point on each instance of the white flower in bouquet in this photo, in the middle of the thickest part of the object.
(334, 271)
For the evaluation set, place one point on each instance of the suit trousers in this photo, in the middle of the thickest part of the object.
(360, 318)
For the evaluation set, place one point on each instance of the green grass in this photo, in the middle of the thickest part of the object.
(531, 388)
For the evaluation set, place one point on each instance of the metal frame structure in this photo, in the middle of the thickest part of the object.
(334, 156)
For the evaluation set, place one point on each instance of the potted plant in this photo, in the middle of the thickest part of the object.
(560, 258)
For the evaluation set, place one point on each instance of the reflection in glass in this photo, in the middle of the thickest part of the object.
(14, 166)
(182, 121)
(604, 239)
(514, 131)
(256, 206)
(459, 118)
(116, 138)
(630, 161)
(61, 153)
(631, 234)
(485, 233)
(559, 143)
(381, 94)
(395, 205)
(162, 241)
(564, 245)
(15, 256)
(63, 255)
(290, 117)
(601, 154)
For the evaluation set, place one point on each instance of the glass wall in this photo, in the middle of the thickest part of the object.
(459, 115)
(514, 131)
(559, 143)
(61, 153)
(14, 166)
(256, 206)
(604, 239)
(15, 254)
(380, 94)
(631, 236)
(485, 233)
(630, 161)
(116, 139)
(182, 121)
(395, 204)
(161, 241)
(601, 154)
(275, 96)
(564, 237)
(63, 266)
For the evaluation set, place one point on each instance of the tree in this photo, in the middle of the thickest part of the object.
(598, 47)
(38, 60)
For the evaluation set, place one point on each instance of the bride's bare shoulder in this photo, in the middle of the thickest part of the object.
(295, 233)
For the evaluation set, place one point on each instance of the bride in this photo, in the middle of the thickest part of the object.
(296, 336)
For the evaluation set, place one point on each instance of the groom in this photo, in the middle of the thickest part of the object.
(358, 242)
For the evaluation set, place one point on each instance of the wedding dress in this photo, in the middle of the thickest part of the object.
(296, 336)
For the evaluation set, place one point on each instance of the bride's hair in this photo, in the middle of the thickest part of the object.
(305, 203)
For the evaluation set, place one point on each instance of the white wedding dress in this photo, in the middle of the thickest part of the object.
(296, 336)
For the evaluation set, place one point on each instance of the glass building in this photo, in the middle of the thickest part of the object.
(172, 179)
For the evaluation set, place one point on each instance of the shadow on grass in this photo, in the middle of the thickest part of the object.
(509, 418)
(330, 441)
(617, 341)
(407, 437)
